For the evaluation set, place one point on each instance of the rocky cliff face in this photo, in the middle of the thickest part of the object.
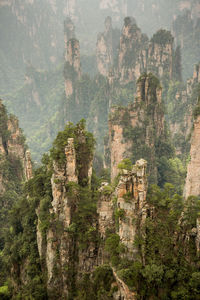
(131, 200)
(144, 117)
(15, 169)
(185, 24)
(138, 55)
(192, 186)
(74, 244)
(124, 211)
(104, 48)
(62, 207)
(194, 80)
(132, 52)
(72, 68)
(61, 248)
(12, 147)
(160, 54)
(180, 111)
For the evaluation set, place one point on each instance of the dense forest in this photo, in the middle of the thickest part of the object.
(100, 189)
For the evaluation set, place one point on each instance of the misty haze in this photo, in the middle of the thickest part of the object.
(99, 149)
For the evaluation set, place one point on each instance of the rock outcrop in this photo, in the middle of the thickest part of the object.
(107, 48)
(180, 111)
(124, 211)
(185, 24)
(137, 127)
(12, 147)
(160, 54)
(119, 148)
(72, 68)
(69, 32)
(194, 80)
(63, 253)
(131, 201)
(138, 55)
(192, 186)
(63, 208)
(104, 48)
(132, 52)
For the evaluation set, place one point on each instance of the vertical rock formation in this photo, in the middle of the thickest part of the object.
(72, 68)
(194, 80)
(69, 32)
(160, 54)
(104, 48)
(33, 97)
(105, 211)
(182, 101)
(135, 130)
(131, 201)
(28, 166)
(73, 56)
(137, 55)
(186, 29)
(58, 239)
(15, 168)
(119, 148)
(12, 145)
(65, 256)
(132, 52)
(192, 186)
(124, 211)
(16, 147)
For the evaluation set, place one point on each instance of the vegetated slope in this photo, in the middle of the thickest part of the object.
(73, 235)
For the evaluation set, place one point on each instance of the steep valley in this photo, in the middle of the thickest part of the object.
(101, 200)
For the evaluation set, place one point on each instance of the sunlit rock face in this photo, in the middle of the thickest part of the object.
(63, 208)
(131, 199)
(60, 248)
